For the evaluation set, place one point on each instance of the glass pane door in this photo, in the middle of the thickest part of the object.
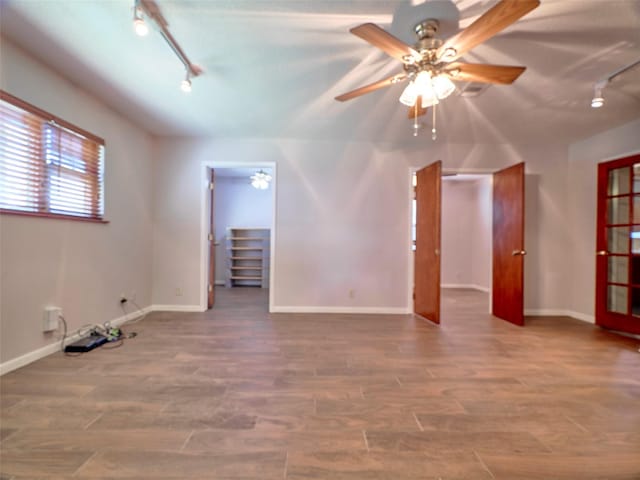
(618, 245)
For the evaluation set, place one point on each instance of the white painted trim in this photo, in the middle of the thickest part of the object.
(465, 285)
(552, 312)
(410, 253)
(178, 308)
(582, 316)
(31, 357)
(355, 310)
(204, 229)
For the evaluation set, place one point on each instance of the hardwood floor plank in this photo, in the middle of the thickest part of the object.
(625, 466)
(157, 464)
(33, 462)
(444, 441)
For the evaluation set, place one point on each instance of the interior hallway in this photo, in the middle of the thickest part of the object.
(238, 393)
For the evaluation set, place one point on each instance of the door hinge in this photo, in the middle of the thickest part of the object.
(211, 185)
(210, 237)
(210, 288)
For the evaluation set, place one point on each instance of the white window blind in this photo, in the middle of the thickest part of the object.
(48, 167)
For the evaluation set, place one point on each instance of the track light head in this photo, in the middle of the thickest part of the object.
(598, 99)
(185, 85)
(139, 25)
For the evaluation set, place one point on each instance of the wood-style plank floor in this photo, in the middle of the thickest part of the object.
(236, 393)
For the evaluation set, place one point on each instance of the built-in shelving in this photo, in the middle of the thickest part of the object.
(247, 257)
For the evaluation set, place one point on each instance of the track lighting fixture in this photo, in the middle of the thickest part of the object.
(598, 100)
(149, 10)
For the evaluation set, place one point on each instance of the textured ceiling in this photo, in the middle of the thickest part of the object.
(273, 68)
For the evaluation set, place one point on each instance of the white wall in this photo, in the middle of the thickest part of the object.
(237, 204)
(342, 213)
(458, 210)
(481, 233)
(582, 192)
(79, 266)
(466, 232)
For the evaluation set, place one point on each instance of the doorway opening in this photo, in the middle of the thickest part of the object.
(238, 232)
(466, 238)
(499, 203)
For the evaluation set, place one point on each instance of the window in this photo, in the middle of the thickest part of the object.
(48, 167)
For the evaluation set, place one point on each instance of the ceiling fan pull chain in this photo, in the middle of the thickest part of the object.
(433, 130)
(416, 127)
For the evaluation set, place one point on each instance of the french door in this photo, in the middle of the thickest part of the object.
(618, 245)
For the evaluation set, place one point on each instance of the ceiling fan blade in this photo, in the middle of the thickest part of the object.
(493, 21)
(371, 87)
(418, 106)
(478, 72)
(386, 42)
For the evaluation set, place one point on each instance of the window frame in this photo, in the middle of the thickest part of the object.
(87, 178)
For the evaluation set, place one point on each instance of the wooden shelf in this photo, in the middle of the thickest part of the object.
(247, 257)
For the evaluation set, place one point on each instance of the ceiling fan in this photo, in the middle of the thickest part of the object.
(430, 64)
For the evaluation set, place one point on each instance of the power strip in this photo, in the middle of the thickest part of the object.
(86, 344)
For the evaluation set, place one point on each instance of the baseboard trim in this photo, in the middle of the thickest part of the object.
(466, 286)
(355, 310)
(31, 357)
(551, 312)
(582, 316)
(176, 308)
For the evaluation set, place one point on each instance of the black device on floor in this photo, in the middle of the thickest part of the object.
(86, 344)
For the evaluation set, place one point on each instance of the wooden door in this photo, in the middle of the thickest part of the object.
(618, 245)
(427, 253)
(212, 242)
(508, 244)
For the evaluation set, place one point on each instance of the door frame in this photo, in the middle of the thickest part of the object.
(204, 223)
(410, 260)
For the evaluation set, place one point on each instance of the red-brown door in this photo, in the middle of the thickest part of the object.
(508, 244)
(427, 253)
(212, 243)
(618, 245)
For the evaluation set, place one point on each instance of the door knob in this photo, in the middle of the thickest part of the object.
(519, 252)
(602, 253)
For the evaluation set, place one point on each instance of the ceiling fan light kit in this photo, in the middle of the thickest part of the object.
(430, 64)
(151, 10)
(260, 180)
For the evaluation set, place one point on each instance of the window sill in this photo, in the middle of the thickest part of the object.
(52, 216)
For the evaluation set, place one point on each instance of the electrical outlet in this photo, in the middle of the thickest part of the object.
(51, 319)
(352, 293)
(178, 292)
